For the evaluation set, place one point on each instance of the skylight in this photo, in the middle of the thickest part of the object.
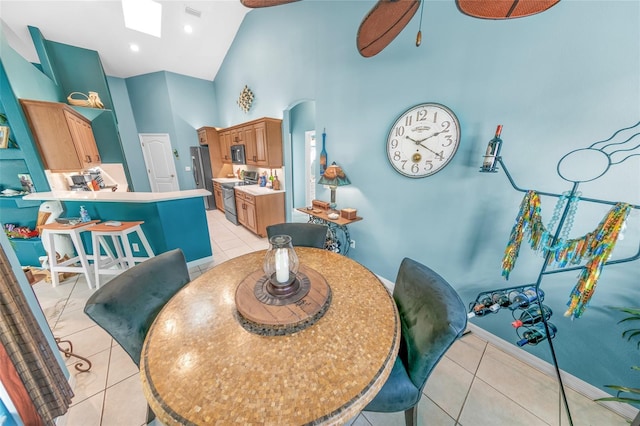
(143, 15)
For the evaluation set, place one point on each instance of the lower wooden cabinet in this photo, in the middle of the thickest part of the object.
(217, 195)
(256, 212)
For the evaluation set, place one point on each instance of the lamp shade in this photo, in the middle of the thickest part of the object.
(334, 176)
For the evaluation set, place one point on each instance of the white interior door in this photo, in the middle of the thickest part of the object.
(310, 166)
(158, 158)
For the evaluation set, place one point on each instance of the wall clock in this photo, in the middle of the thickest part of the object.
(423, 140)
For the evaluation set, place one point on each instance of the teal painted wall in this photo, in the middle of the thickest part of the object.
(556, 81)
(302, 119)
(165, 102)
(129, 134)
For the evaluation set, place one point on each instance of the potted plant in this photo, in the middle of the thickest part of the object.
(629, 334)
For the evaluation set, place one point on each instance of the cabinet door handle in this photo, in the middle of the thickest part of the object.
(97, 158)
(88, 160)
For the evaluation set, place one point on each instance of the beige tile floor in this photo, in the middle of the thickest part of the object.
(476, 383)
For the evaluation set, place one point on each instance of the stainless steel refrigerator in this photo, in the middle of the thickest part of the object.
(201, 168)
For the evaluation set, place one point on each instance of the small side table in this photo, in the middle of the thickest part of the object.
(339, 239)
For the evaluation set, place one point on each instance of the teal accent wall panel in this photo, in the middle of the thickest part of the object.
(27, 81)
(79, 70)
(28, 251)
(129, 134)
(185, 227)
(105, 130)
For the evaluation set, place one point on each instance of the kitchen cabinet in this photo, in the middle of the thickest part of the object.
(217, 195)
(208, 136)
(267, 143)
(64, 137)
(262, 139)
(225, 146)
(246, 209)
(256, 212)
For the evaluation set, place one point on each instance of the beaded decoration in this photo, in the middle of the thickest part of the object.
(596, 245)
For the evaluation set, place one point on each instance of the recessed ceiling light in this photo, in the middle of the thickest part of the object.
(134, 47)
(188, 29)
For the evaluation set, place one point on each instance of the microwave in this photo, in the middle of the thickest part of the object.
(237, 154)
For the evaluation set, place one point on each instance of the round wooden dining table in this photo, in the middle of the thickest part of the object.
(200, 365)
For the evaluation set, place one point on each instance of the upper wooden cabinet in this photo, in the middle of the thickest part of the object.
(267, 144)
(225, 146)
(261, 138)
(63, 136)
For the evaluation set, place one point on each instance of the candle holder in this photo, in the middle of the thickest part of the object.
(281, 266)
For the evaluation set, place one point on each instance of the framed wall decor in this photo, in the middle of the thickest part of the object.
(4, 137)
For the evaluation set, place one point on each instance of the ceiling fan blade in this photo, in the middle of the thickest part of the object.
(383, 23)
(503, 9)
(264, 3)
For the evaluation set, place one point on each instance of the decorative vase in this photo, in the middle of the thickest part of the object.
(280, 266)
(323, 155)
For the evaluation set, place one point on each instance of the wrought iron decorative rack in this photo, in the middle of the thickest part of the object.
(603, 149)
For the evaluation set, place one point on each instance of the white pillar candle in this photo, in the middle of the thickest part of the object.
(282, 265)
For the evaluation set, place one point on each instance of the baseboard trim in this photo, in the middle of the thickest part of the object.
(572, 382)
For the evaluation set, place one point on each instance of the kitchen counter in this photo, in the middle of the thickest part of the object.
(257, 190)
(107, 196)
(226, 180)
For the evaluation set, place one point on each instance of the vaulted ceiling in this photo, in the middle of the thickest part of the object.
(99, 25)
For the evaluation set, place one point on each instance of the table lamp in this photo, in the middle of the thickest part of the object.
(334, 176)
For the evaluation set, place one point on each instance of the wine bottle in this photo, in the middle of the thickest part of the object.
(537, 334)
(493, 151)
(482, 307)
(533, 315)
(525, 297)
(323, 154)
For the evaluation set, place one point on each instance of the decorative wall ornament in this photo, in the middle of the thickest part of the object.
(246, 99)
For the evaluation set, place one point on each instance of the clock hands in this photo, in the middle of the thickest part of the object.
(428, 149)
(434, 134)
(419, 142)
(416, 142)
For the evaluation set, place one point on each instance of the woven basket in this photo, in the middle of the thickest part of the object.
(79, 102)
(92, 100)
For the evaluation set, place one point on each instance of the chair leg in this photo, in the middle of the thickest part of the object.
(411, 416)
(150, 415)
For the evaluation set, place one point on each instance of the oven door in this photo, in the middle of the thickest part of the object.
(229, 202)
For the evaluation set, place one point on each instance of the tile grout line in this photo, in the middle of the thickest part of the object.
(484, 351)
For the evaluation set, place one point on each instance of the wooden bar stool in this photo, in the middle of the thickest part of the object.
(69, 265)
(123, 258)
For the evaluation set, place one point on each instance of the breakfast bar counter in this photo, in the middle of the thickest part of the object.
(175, 219)
(126, 197)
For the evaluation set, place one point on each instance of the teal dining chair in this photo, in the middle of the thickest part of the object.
(432, 317)
(302, 234)
(126, 306)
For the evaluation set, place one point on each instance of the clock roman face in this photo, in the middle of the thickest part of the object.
(423, 140)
